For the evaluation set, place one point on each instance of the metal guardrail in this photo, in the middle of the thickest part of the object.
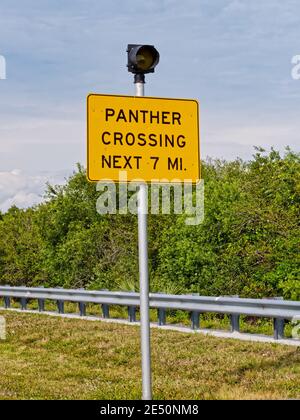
(279, 310)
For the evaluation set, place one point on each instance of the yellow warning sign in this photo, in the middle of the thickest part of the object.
(151, 139)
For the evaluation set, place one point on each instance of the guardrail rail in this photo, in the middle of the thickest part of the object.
(276, 308)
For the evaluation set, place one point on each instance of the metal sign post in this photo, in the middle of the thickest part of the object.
(143, 271)
(154, 139)
(143, 59)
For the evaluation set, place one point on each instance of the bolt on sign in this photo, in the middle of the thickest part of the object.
(150, 138)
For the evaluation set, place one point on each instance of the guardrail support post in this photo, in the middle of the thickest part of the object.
(132, 313)
(82, 308)
(279, 325)
(60, 306)
(105, 310)
(41, 305)
(195, 320)
(195, 317)
(23, 302)
(235, 323)
(161, 316)
(7, 302)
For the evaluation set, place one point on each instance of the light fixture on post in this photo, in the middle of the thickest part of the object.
(143, 59)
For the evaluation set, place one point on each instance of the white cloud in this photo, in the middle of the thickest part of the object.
(24, 190)
(21, 200)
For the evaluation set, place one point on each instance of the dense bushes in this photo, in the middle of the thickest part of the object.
(247, 245)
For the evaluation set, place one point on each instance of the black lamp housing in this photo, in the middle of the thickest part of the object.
(142, 59)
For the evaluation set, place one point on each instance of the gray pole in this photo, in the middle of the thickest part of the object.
(144, 275)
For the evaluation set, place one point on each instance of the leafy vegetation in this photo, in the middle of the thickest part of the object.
(248, 243)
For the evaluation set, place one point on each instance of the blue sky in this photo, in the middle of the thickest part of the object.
(234, 56)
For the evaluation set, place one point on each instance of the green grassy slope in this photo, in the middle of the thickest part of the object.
(54, 358)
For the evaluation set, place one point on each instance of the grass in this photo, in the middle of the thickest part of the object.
(55, 358)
